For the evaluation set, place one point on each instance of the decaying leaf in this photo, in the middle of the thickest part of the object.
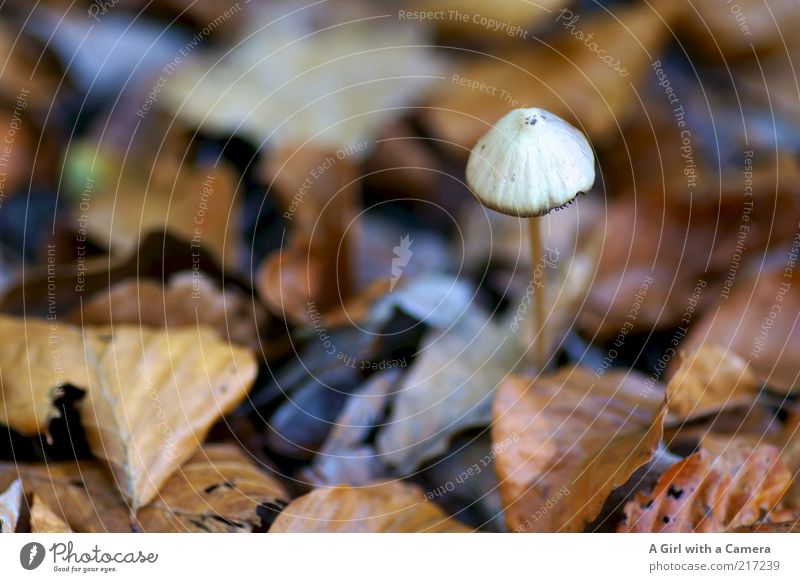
(782, 527)
(478, 19)
(708, 380)
(151, 395)
(217, 490)
(10, 506)
(44, 519)
(391, 507)
(82, 495)
(448, 389)
(759, 322)
(345, 458)
(725, 35)
(726, 484)
(198, 204)
(565, 77)
(288, 81)
(566, 440)
(188, 299)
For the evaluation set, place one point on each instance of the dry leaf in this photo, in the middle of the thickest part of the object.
(392, 507)
(188, 299)
(10, 507)
(726, 484)
(566, 440)
(82, 495)
(287, 81)
(478, 19)
(708, 380)
(197, 204)
(724, 35)
(759, 322)
(566, 77)
(151, 395)
(217, 490)
(66, 285)
(345, 458)
(316, 193)
(448, 389)
(782, 527)
(44, 519)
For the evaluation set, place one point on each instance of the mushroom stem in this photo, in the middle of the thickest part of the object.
(537, 284)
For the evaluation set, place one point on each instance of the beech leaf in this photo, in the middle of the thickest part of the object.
(565, 441)
(217, 490)
(150, 395)
(44, 519)
(392, 507)
(726, 484)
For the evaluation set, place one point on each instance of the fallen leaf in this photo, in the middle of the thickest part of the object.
(448, 389)
(478, 20)
(217, 490)
(727, 35)
(782, 527)
(565, 77)
(392, 507)
(708, 380)
(346, 458)
(565, 441)
(754, 421)
(10, 507)
(44, 519)
(289, 80)
(81, 494)
(151, 395)
(726, 484)
(160, 255)
(759, 322)
(197, 204)
(300, 425)
(463, 481)
(188, 299)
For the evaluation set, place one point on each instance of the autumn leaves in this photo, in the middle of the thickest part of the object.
(150, 395)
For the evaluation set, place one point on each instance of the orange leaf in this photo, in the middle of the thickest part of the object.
(383, 507)
(724, 485)
(565, 441)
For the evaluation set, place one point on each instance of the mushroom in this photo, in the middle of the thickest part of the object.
(529, 163)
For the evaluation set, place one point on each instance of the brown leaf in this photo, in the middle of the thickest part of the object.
(151, 395)
(296, 77)
(565, 441)
(759, 322)
(80, 494)
(754, 421)
(44, 519)
(159, 256)
(517, 16)
(782, 527)
(726, 484)
(708, 380)
(217, 490)
(393, 507)
(10, 507)
(725, 35)
(188, 299)
(566, 77)
(196, 204)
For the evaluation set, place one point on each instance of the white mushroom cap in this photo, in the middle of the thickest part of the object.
(529, 163)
